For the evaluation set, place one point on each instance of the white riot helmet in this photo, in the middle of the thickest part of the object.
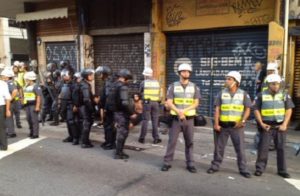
(30, 75)
(236, 75)
(16, 63)
(8, 72)
(185, 67)
(272, 66)
(148, 71)
(273, 78)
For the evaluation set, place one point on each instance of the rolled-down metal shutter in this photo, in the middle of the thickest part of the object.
(59, 51)
(296, 88)
(121, 51)
(213, 54)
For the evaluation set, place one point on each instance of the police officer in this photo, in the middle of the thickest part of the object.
(7, 75)
(109, 130)
(150, 90)
(32, 103)
(56, 88)
(183, 99)
(47, 97)
(16, 107)
(273, 110)
(123, 111)
(271, 69)
(87, 107)
(50, 94)
(5, 99)
(232, 109)
(78, 121)
(66, 105)
(21, 71)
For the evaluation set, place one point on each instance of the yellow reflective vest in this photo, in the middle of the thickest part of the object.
(232, 108)
(184, 97)
(273, 106)
(29, 95)
(151, 90)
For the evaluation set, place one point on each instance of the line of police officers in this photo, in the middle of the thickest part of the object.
(76, 103)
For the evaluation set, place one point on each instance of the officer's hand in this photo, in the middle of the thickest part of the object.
(75, 109)
(181, 115)
(282, 127)
(8, 113)
(239, 125)
(37, 109)
(266, 127)
(217, 127)
(133, 116)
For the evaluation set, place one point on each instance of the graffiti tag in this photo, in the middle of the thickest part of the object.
(246, 6)
(174, 15)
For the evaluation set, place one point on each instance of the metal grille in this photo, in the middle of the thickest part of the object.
(121, 51)
(58, 51)
(213, 54)
(296, 87)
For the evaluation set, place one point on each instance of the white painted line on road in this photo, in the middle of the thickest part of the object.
(12, 148)
(294, 182)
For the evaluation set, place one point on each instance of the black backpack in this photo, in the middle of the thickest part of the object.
(112, 101)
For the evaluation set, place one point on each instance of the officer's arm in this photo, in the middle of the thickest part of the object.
(193, 106)
(217, 116)
(258, 116)
(287, 117)
(38, 103)
(171, 105)
(246, 114)
(14, 94)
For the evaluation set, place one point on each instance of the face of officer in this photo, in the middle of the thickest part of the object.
(185, 75)
(66, 78)
(258, 66)
(90, 77)
(274, 87)
(15, 69)
(230, 82)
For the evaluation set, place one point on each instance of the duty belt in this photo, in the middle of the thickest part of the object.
(227, 124)
(272, 123)
(187, 117)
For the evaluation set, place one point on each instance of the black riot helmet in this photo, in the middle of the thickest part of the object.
(125, 73)
(56, 74)
(51, 67)
(64, 64)
(66, 72)
(103, 70)
(86, 72)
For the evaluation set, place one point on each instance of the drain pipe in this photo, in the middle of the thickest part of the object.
(286, 26)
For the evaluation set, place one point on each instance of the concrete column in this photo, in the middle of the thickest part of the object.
(158, 59)
(5, 54)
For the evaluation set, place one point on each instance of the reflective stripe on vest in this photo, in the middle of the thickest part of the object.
(273, 107)
(29, 95)
(151, 90)
(184, 98)
(232, 108)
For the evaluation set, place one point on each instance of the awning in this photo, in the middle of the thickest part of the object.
(42, 15)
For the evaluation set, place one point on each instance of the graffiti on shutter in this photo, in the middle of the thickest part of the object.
(213, 54)
(59, 51)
